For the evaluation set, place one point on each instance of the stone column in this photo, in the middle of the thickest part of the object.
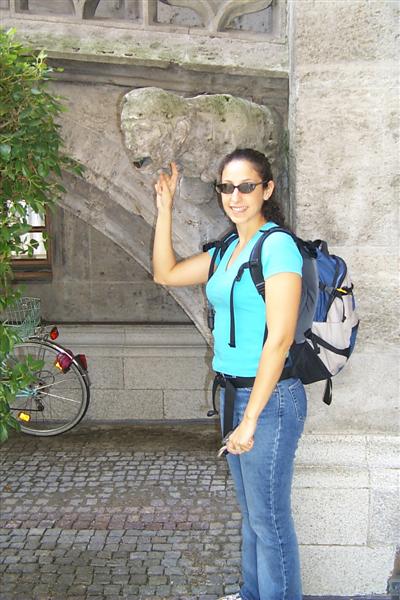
(344, 159)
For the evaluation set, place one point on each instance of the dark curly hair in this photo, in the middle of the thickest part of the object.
(271, 208)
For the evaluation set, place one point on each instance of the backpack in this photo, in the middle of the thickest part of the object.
(327, 325)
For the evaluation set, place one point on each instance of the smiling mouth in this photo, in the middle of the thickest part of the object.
(238, 208)
(142, 162)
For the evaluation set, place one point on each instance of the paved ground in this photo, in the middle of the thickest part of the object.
(117, 512)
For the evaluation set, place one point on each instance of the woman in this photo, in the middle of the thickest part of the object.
(268, 416)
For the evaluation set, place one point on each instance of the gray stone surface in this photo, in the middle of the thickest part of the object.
(168, 373)
(159, 127)
(343, 107)
(357, 391)
(110, 404)
(94, 280)
(187, 404)
(331, 567)
(326, 516)
(153, 49)
(385, 517)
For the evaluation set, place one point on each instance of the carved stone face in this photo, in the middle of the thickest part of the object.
(154, 125)
(159, 127)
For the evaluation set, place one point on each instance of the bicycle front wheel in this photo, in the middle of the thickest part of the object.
(56, 401)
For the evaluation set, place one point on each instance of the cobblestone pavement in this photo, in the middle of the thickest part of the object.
(102, 513)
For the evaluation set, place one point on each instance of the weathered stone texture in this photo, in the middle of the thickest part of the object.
(122, 405)
(340, 32)
(186, 404)
(153, 48)
(344, 81)
(96, 280)
(167, 373)
(322, 517)
(335, 570)
(345, 163)
(363, 400)
(159, 127)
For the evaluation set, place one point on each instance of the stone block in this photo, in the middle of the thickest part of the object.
(338, 187)
(331, 517)
(166, 373)
(121, 405)
(384, 479)
(345, 570)
(384, 519)
(187, 404)
(68, 234)
(110, 263)
(383, 451)
(68, 301)
(332, 451)
(339, 32)
(138, 302)
(363, 400)
(331, 478)
(106, 373)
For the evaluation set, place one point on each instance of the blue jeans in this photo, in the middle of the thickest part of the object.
(263, 479)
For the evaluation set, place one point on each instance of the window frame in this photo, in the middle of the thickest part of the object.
(35, 269)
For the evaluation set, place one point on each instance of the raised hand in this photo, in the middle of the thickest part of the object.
(165, 188)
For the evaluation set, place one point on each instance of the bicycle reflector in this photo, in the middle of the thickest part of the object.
(81, 359)
(63, 362)
(54, 333)
(22, 416)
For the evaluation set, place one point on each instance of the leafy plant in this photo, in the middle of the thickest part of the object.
(31, 164)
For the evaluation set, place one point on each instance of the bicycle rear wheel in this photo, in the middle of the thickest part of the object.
(56, 401)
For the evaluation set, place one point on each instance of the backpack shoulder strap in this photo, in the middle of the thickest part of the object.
(220, 247)
(255, 263)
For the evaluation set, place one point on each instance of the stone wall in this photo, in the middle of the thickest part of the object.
(96, 281)
(344, 100)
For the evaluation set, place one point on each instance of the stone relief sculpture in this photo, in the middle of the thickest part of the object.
(159, 126)
(213, 15)
(218, 15)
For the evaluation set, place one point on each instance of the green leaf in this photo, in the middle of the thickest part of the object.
(3, 433)
(5, 151)
(5, 344)
(43, 170)
(12, 422)
(35, 91)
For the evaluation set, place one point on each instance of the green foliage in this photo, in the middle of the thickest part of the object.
(31, 164)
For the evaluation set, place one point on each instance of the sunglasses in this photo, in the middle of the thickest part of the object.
(244, 188)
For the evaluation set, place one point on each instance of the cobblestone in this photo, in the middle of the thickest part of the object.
(111, 512)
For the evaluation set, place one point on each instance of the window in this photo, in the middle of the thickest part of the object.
(37, 266)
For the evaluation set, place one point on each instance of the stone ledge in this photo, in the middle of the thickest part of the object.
(65, 38)
(131, 336)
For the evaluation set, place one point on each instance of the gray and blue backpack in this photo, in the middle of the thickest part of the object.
(328, 322)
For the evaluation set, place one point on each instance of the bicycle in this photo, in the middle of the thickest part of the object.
(59, 397)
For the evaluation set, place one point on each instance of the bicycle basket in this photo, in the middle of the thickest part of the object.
(23, 316)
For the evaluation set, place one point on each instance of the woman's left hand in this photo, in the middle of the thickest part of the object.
(242, 438)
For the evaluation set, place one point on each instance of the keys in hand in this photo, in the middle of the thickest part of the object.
(223, 451)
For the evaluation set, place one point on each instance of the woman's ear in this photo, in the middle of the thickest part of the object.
(268, 190)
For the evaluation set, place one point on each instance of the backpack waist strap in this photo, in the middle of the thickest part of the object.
(231, 384)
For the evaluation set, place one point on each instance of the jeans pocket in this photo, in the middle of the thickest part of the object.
(298, 395)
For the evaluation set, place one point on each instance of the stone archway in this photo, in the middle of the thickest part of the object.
(118, 199)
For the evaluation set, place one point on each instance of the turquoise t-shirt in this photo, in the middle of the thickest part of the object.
(279, 255)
